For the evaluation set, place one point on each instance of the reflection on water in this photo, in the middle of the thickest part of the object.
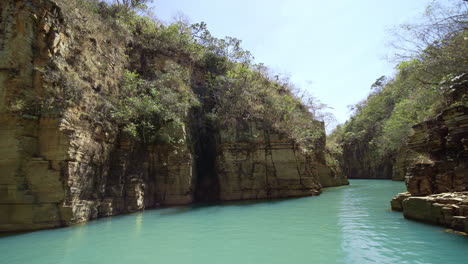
(138, 222)
(349, 224)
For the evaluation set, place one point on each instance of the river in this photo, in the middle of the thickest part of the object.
(349, 224)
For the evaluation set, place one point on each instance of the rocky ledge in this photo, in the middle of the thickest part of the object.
(438, 183)
(445, 209)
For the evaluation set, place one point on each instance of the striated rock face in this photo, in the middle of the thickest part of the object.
(445, 209)
(57, 171)
(397, 201)
(71, 166)
(331, 177)
(444, 141)
(437, 184)
(403, 160)
(258, 164)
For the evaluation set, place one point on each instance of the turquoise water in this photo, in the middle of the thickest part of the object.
(349, 224)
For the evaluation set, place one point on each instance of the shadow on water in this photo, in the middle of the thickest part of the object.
(201, 206)
(245, 203)
(10, 234)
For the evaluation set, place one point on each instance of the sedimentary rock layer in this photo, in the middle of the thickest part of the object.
(437, 184)
(267, 166)
(444, 142)
(445, 209)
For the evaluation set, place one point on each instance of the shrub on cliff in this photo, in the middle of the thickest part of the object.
(237, 89)
(144, 107)
(249, 93)
(160, 67)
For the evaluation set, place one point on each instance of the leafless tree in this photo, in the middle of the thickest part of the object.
(441, 22)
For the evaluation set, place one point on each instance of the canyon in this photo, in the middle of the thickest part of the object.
(64, 159)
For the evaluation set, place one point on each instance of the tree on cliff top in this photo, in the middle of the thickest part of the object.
(440, 23)
(131, 4)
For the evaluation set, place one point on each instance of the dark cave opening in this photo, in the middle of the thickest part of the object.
(206, 179)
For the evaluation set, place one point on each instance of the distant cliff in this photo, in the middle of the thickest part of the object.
(376, 143)
(101, 118)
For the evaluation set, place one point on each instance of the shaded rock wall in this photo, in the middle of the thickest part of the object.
(359, 162)
(403, 160)
(331, 177)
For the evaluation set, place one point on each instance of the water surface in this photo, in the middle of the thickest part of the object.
(351, 224)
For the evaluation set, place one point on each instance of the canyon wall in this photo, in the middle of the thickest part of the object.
(444, 142)
(257, 164)
(437, 182)
(67, 167)
(66, 164)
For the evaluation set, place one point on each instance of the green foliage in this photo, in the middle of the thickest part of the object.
(165, 62)
(131, 5)
(248, 93)
(229, 48)
(396, 129)
(146, 106)
(333, 150)
(61, 90)
(238, 90)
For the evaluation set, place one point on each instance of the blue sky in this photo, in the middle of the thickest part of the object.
(333, 49)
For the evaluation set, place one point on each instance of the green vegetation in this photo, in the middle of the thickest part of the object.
(145, 107)
(50, 102)
(237, 89)
(170, 70)
(421, 88)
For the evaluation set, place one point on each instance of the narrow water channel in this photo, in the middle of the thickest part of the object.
(351, 224)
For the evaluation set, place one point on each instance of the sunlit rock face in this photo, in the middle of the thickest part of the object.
(437, 184)
(73, 166)
(255, 163)
(444, 141)
(69, 169)
(448, 209)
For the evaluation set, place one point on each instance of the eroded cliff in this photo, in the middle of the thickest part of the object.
(438, 181)
(62, 162)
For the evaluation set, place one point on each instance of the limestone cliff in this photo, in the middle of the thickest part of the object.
(404, 159)
(69, 165)
(257, 164)
(444, 142)
(438, 182)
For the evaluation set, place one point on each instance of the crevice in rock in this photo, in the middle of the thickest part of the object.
(204, 135)
(206, 185)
